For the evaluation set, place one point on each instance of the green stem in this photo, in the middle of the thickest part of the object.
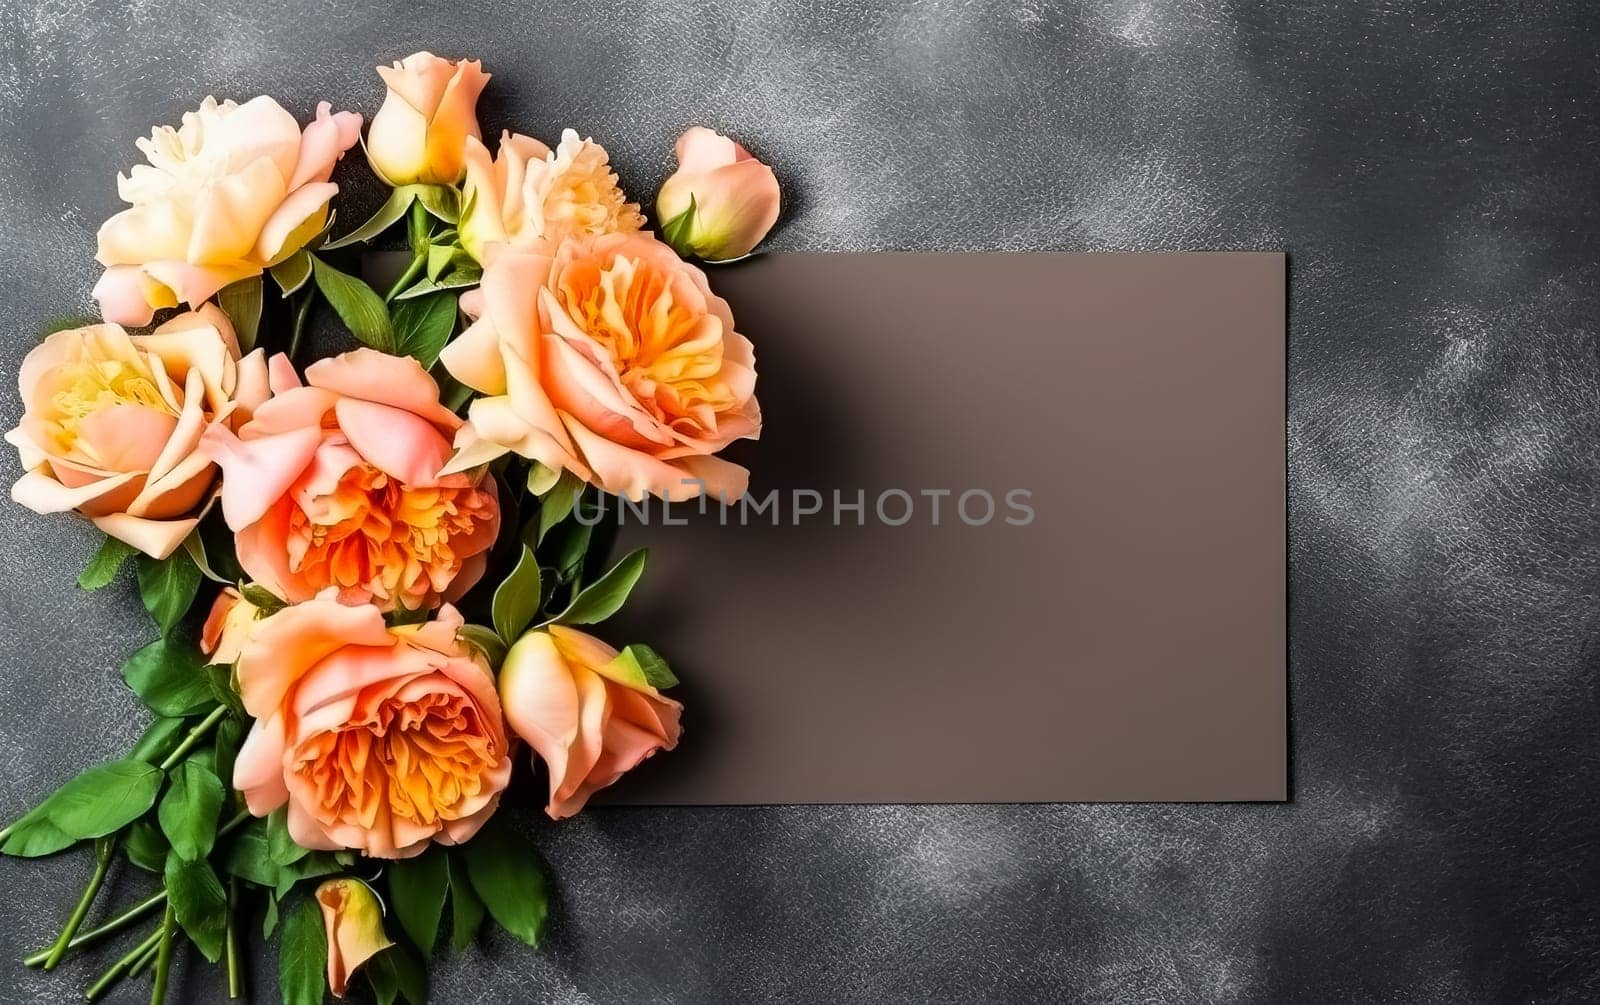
(145, 959)
(231, 940)
(111, 927)
(419, 250)
(103, 850)
(196, 734)
(301, 313)
(158, 992)
(121, 967)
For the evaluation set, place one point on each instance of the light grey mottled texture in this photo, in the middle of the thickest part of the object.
(1430, 166)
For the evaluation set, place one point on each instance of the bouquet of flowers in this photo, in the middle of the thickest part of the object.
(405, 538)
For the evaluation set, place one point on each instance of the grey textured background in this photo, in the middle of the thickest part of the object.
(1429, 166)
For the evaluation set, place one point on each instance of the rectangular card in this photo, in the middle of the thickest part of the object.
(1015, 533)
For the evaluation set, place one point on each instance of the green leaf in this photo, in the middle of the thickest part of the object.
(104, 799)
(443, 201)
(557, 502)
(168, 586)
(485, 641)
(229, 737)
(146, 847)
(606, 595)
(466, 910)
(219, 681)
(67, 323)
(638, 665)
(105, 564)
(262, 599)
(463, 275)
(508, 881)
(189, 811)
(241, 301)
(291, 273)
(195, 546)
(219, 548)
(679, 229)
(302, 956)
(541, 479)
(397, 973)
(279, 844)
(34, 835)
(417, 888)
(313, 866)
(199, 902)
(249, 857)
(516, 599)
(423, 325)
(167, 677)
(158, 740)
(361, 309)
(387, 216)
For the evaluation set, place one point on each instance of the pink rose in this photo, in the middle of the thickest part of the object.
(235, 189)
(610, 358)
(378, 739)
(420, 133)
(112, 423)
(336, 484)
(586, 715)
(735, 197)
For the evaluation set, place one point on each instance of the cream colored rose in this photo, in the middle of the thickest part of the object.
(734, 198)
(112, 422)
(420, 133)
(233, 190)
(529, 192)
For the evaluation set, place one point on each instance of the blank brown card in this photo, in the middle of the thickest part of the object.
(1015, 533)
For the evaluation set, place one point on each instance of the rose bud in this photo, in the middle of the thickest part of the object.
(112, 423)
(235, 189)
(420, 133)
(734, 198)
(565, 694)
(352, 917)
(227, 627)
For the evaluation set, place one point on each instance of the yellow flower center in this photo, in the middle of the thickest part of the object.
(417, 760)
(668, 355)
(399, 541)
(89, 386)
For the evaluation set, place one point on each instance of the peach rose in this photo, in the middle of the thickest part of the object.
(336, 483)
(111, 423)
(233, 190)
(227, 626)
(735, 197)
(378, 739)
(352, 919)
(529, 192)
(610, 358)
(420, 133)
(592, 721)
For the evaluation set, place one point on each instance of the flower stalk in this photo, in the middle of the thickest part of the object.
(103, 850)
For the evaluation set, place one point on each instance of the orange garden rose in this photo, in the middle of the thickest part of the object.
(379, 739)
(235, 189)
(112, 423)
(611, 358)
(335, 483)
(584, 714)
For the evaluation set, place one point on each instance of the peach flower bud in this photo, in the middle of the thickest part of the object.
(420, 133)
(227, 626)
(335, 483)
(564, 693)
(377, 739)
(233, 190)
(610, 358)
(112, 423)
(352, 917)
(734, 196)
(529, 193)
